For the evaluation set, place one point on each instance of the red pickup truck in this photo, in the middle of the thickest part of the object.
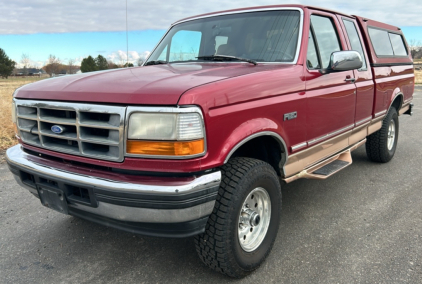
(227, 107)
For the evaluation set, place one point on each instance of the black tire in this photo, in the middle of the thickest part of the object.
(219, 247)
(377, 148)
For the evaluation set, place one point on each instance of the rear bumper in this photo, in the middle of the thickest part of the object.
(173, 210)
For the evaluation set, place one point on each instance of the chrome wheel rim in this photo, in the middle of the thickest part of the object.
(254, 219)
(391, 136)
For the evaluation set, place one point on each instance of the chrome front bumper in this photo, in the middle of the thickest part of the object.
(123, 203)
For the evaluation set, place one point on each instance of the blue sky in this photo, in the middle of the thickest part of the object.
(78, 28)
(78, 45)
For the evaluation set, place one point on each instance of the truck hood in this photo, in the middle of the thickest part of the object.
(148, 85)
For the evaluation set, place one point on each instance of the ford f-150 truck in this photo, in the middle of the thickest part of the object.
(198, 140)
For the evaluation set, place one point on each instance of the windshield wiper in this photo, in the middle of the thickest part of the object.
(218, 56)
(155, 62)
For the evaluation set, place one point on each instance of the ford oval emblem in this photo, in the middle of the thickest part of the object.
(57, 129)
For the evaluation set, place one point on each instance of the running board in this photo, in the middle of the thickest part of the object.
(329, 166)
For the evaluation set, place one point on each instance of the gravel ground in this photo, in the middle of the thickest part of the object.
(363, 225)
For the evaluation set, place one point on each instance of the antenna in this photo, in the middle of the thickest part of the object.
(127, 41)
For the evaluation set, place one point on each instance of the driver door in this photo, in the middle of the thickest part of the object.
(331, 98)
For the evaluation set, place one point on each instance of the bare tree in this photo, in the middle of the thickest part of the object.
(71, 66)
(111, 64)
(25, 62)
(53, 65)
(414, 46)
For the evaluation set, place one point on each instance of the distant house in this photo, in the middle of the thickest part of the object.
(29, 72)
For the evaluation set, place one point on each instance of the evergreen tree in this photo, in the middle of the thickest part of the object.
(88, 64)
(101, 62)
(6, 65)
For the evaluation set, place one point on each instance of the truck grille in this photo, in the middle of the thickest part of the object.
(89, 130)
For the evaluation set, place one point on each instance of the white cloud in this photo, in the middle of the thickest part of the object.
(78, 61)
(120, 56)
(45, 16)
(32, 64)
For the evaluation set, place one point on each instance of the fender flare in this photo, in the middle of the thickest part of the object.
(397, 93)
(271, 130)
(278, 138)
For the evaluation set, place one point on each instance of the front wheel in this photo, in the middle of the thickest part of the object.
(381, 145)
(243, 226)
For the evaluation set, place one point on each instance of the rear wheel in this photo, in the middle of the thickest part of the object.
(242, 229)
(381, 145)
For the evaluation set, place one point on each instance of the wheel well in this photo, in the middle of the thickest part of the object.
(264, 148)
(397, 103)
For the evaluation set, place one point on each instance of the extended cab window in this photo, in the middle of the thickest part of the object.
(398, 44)
(325, 37)
(387, 44)
(355, 40)
(381, 42)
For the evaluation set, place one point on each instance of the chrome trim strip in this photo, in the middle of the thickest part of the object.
(299, 146)
(380, 113)
(187, 109)
(263, 133)
(149, 215)
(299, 43)
(316, 140)
(407, 102)
(15, 156)
(363, 121)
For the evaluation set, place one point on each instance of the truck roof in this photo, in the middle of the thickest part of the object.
(260, 8)
(373, 23)
(377, 24)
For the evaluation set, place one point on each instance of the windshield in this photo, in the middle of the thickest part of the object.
(268, 36)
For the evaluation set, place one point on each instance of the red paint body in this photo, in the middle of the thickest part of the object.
(240, 99)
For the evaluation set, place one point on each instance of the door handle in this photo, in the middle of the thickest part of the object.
(350, 80)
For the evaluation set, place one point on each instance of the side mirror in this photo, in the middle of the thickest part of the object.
(345, 61)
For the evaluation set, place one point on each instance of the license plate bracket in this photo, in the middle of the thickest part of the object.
(53, 198)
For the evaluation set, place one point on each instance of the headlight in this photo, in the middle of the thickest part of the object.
(177, 133)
